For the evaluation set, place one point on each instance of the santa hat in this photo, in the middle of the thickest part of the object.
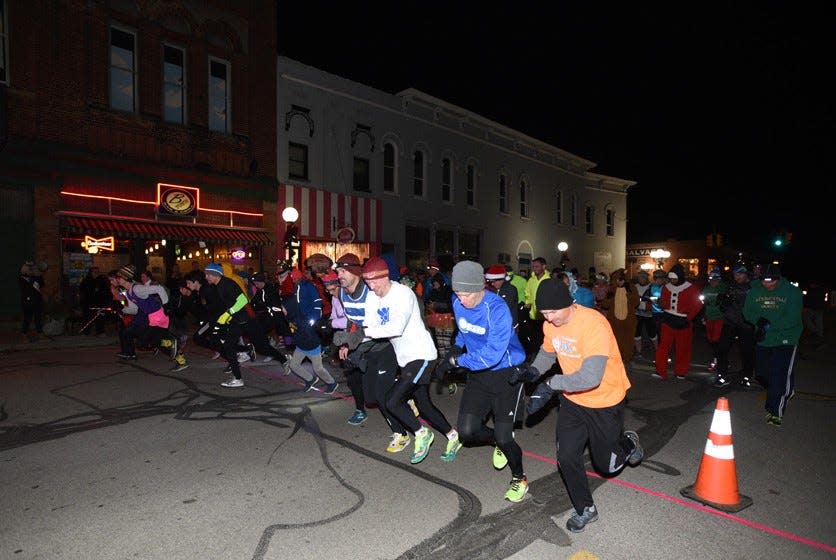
(496, 272)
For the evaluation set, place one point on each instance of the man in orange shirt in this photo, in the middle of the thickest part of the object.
(593, 389)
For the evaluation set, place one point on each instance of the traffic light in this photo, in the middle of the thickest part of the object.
(782, 239)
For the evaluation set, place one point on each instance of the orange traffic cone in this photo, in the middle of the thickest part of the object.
(716, 484)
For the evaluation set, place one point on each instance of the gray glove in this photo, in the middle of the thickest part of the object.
(350, 338)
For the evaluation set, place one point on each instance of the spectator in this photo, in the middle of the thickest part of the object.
(774, 306)
(94, 293)
(31, 283)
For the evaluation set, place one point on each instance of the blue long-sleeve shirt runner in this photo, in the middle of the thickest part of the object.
(487, 334)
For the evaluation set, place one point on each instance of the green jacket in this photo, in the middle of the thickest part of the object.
(710, 303)
(781, 306)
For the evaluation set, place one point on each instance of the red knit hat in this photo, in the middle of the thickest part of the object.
(295, 274)
(330, 277)
(375, 268)
(496, 272)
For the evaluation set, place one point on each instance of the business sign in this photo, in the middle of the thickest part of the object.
(345, 235)
(238, 255)
(177, 200)
(94, 245)
(645, 252)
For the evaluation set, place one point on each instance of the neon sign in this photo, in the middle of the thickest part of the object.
(238, 255)
(94, 245)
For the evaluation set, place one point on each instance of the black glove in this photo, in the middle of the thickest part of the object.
(523, 372)
(760, 329)
(539, 398)
(453, 352)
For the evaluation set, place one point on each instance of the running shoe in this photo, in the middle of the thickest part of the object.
(399, 441)
(358, 418)
(499, 459)
(251, 351)
(423, 441)
(517, 489)
(637, 454)
(175, 349)
(453, 448)
(126, 356)
(773, 420)
(233, 383)
(721, 382)
(243, 357)
(216, 355)
(179, 367)
(330, 388)
(309, 385)
(576, 522)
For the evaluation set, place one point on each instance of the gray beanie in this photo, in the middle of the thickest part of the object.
(468, 276)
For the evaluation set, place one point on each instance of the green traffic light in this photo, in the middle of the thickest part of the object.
(778, 242)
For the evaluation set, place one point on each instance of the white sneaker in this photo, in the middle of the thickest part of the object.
(233, 383)
(267, 359)
(243, 357)
(216, 355)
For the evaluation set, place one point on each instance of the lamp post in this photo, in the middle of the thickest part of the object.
(563, 247)
(291, 232)
(659, 255)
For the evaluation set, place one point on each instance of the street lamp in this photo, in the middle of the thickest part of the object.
(659, 255)
(564, 256)
(291, 232)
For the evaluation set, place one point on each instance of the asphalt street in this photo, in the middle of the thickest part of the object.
(110, 460)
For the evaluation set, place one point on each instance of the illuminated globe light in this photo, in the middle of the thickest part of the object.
(290, 214)
(163, 242)
(562, 246)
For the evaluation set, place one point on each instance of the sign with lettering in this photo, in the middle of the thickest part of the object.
(639, 252)
(94, 245)
(177, 200)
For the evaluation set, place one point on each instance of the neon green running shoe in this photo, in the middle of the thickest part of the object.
(422, 445)
(517, 490)
(499, 459)
(453, 447)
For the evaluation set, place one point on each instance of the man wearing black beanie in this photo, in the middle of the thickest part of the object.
(593, 390)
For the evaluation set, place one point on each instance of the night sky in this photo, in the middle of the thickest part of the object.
(723, 116)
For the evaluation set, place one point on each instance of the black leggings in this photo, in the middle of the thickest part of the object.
(489, 393)
(414, 383)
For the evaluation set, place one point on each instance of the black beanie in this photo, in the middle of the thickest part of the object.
(553, 294)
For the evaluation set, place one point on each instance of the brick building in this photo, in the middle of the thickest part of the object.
(152, 123)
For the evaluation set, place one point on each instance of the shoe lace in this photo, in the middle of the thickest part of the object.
(516, 483)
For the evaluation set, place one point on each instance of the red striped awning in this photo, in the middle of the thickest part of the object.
(322, 214)
(139, 229)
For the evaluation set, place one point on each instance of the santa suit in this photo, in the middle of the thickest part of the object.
(682, 302)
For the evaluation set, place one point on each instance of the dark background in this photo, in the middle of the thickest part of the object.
(723, 115)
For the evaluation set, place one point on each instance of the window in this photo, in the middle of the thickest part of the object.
(418, 174)
(122, 70)
(445, 240)
(417, 244)
(446, 180)
(389, 168)
(558, 200)
(297, 161)
(470, 189)
(469, 246)
(503, 194)
(361, 175)
(174, 84)
(523, 199)
(610, 222)
(590, 219)
(219, 90)
(4, 45)
(573, 210)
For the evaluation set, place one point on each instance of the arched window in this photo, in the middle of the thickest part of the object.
(390, 168)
